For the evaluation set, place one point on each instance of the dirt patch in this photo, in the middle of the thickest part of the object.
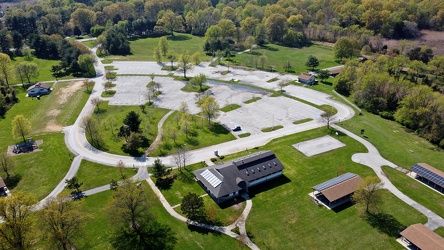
(63, 95)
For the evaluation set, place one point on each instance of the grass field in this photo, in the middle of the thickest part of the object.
(283, 207)
(302, 121)
(98, 228)
(230, 107)
(277, 56)
(201, 135)
(416, 190)
(254, 99)
(44, 69)
(440, 231)
(90, 44)
(142, 49)
(112, 144)
(94, 175)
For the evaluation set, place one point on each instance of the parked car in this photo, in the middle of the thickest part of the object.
(237, 128)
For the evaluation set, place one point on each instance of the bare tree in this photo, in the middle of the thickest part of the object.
(181, 157)
(184, 107)
(121, 167)
(96, 101)
(328, 115)
(7, 164)
(90, 127)
(282, 84)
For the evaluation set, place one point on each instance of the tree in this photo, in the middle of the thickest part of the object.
(124, 131)
(157, 55)
(27, 70)
(159, 169)
(185, 124)
(170, 22)
(163, 45)
(132, 120)
(172, 59)
(193, 207)
(367, 193)
(185, 63)
(328, 115)
(86, 64)
(181, 157)
(343, 48)
(90, 126)
(276, 27)
(56, 71)
(121, 167)
(74, 184)
(6, 72)
(312, 62)
(263, 59)
(96, 101)
(62, 223)
(107, 86)
(323, 74)
(227, 28)
(21, 127)
(7, 165)
(17, 226)
(199, 80)
(210, 108)
(133, 143)
(135, 227)
(87, 84)
(196, 58)
(184, 107)
(84, 19)
(249, 42)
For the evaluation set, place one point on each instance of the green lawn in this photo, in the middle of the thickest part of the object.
(41, 171)
(277, 56)
(416, 190)
(283, 207)
(142, 49)
(440, 231)
(254, 99)
(94, 175)
(98, 228)
(270, 129)
(189, 87)
(90, 44)
(108, 93)
(201, 135)
(244, 135)
(302, 121)
(394, 142)
(44, 69)
(230, 107)
(112, 144)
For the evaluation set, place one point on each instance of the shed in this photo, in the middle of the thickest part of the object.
(306, 78)
(418, 236)
(338, 190)
(39, 89)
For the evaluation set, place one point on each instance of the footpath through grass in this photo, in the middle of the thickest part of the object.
(416, 190)
(200, 134)
(94, 175)
(142, 49)
(277, 56)
(111, 118)
(283, 212)
(99, 230)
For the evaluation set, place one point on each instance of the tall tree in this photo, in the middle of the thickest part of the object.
(276, 27)
(7, 165)
(185, 63)
(17, 226)
(328, 115)
(5, 68)
(132, 120)
(21, 127)
(90, 126)
(199, 80)
(62, 223)
(312, 62)
(368, 194)
(193, 207)
(210, 108)
(134, 227)
(170, 22)
(159, 169)
(323, 75)
(96, 101)
(163, 45)
(84, 19)
(181, 157)
(343, 48)
(74, 184)
(27, 70)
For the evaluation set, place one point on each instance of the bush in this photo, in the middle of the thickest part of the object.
(221, 157)
(387, 115)
(213, 159)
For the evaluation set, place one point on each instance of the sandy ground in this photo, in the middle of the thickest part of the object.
(433, 39)
(318, 145)
(63, 95)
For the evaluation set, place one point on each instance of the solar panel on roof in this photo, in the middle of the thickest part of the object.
(211, 178)
(333, 181)
(433, 177)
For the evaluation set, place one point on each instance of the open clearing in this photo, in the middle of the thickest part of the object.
(318, 145)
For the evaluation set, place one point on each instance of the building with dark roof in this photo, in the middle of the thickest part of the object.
(429, 175)
(39, 89)
(418, 236)
(338, 190)
(228, 180)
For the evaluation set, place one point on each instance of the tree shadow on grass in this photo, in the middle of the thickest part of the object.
(255, 53)
(218, 129)
(201, 230)
(279, 181)
(13, 181)
(165, 183)
(269, 48)
(179, 38)
(385, 223)
(192, 141)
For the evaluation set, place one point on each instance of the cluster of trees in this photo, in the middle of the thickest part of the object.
(407, 88)
(61, 222)
(221, 21)
(131, 132)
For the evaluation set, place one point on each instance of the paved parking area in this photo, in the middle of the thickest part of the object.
(267, 112)
(318, 145)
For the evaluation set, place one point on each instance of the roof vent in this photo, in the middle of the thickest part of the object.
(252, 171)
(263, 166)
(258, 169)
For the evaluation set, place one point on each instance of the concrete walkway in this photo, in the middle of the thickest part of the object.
(159, 133)
(375, 161)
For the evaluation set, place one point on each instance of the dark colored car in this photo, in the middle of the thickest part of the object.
(237, 128)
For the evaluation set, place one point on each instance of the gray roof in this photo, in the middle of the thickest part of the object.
(334, 181)
(238, 174)
(39, 85)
